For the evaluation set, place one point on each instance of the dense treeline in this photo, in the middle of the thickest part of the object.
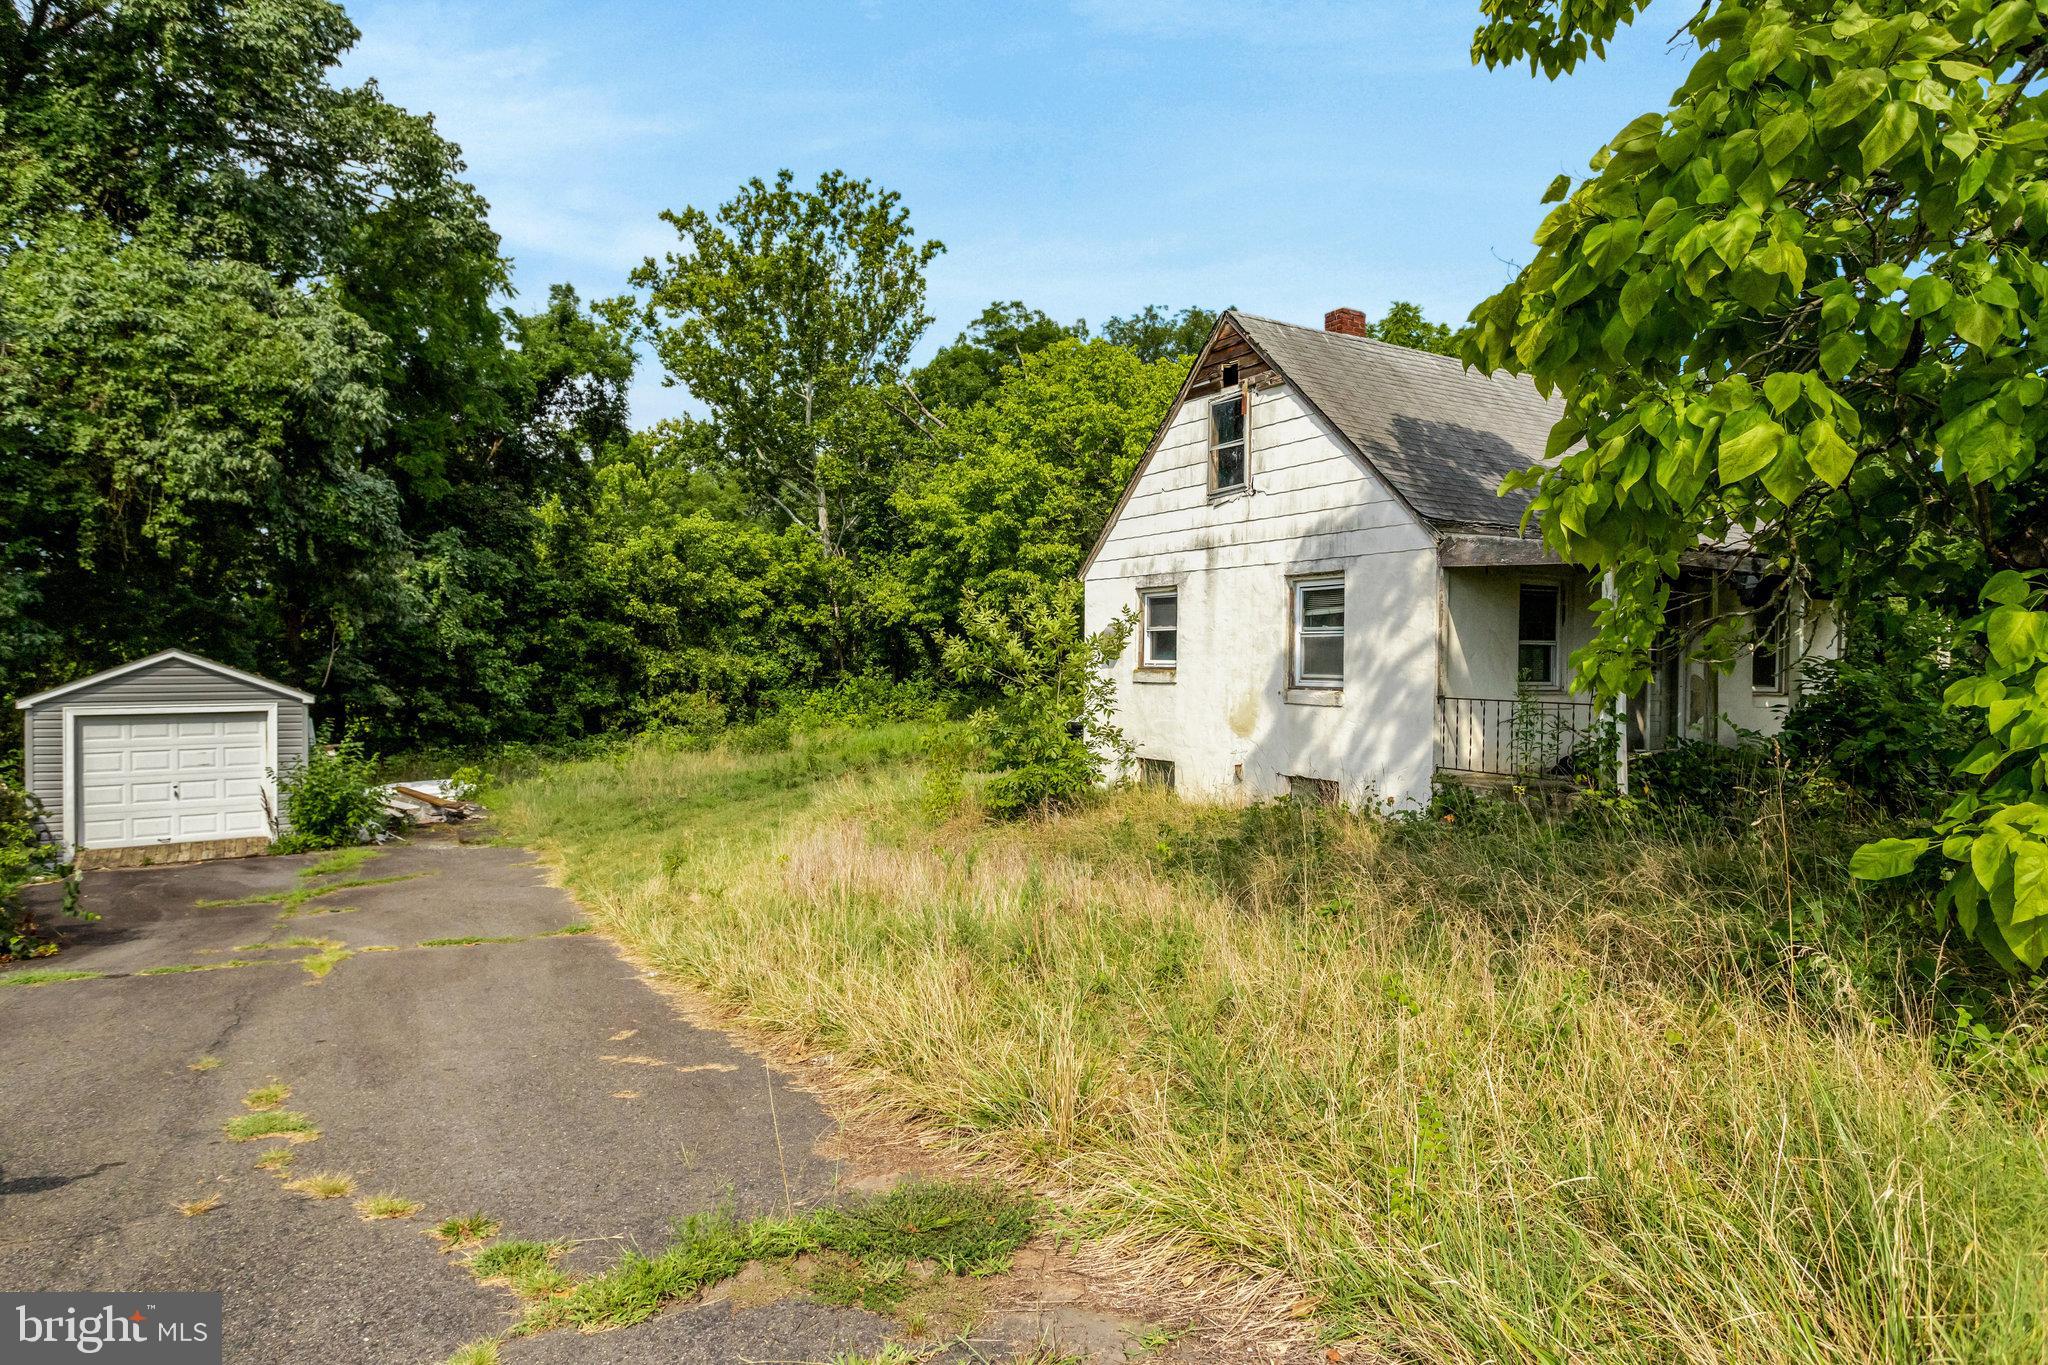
(264, 395)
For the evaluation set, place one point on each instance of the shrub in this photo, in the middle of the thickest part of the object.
(1873, 719)
(1049, 733)
(331, 799)
(25, 857)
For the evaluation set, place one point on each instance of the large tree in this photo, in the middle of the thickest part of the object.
(1801, 307)
(259, 392)
(785, 312)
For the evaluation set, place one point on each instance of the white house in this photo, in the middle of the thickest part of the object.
(1333, 598)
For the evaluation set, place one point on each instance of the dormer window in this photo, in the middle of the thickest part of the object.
(1226, 444)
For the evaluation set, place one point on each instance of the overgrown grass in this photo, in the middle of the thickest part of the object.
(1504, 1089)
(267, 1097)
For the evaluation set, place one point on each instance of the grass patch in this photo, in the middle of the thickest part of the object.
(465, 1229)
(192, 1208)
(341, 862)
(867, 1248)
(373, 1207)
(43, 976)
(292, 900)
(333, 954)
(284, 1125)
(181, 968)
(267, 1097)
(323, 1185)
(1508, 1088)
(206, 1063)
(527, 1267)
(471, 939)
(568, 929)
(277, 1160)
(484, 1352)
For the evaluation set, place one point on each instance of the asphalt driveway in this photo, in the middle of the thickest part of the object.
(534, 1077)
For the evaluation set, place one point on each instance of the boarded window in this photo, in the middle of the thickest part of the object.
(1161, 647)
(1226, 444)
(1156, 772)
(1536, 650)
(1319, 633)
(1315, 791)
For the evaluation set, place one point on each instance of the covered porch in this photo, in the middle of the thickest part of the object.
(1510, 617)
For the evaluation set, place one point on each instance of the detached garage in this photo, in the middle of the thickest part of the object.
(169, 758)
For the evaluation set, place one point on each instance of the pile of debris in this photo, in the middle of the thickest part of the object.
(437, 801)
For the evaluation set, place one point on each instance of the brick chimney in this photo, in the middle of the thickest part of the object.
(1349, 321)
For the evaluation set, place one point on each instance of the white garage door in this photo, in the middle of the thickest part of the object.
(171, 779)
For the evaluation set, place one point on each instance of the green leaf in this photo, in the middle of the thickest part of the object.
(1829, 456)
(1638, 297)
(1847, 96)
(1783, 135)
(1744, 455)
(2016, 636)
(1895, 129)
(1886, 858)
(2009, 22)
(1782, 390)
(1840, 353)
(2029, 881)
(1928, 295)
(2008, 587)
(1559, 188)
(1979, 324)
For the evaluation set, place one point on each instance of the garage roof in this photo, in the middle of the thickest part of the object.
(165, 656)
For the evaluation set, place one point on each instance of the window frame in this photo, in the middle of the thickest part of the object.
(1158, 772)
(1297, 632)
(1242, 397)
(1777, 647)
(1146, 598)
(1554, 645)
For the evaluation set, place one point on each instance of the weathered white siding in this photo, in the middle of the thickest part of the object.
(1225, 716)
(168, 684)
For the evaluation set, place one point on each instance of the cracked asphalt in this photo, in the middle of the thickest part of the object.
(541, 1081)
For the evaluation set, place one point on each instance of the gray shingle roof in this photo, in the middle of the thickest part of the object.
(1443, 435)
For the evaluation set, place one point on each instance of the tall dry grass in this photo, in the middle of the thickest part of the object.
(1493, 1095)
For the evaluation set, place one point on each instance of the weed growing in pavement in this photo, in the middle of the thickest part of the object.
(464, 1229)
(267, 1097)
(43, 976)
(323, 1185)
(285, 1125)
(373, 1207)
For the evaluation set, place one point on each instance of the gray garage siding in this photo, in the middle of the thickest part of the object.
(173, 682)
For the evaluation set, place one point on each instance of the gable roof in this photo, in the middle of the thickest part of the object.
(1441, 435)
(164, 656)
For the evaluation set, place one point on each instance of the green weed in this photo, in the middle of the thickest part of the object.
(284, 1125)
(43, 976)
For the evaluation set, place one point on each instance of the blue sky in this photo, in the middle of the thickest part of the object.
(1088, 157)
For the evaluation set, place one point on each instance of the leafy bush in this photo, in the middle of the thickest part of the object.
(25, 857)
(1049, 734)
(331, 799)
(1873, 719)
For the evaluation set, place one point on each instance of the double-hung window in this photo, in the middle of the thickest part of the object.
(1536, 640)
(1319, 633)
(1226, 443)
(1160, 647)
(1767, 652)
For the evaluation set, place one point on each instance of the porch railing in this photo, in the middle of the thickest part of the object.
(1508, 738)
